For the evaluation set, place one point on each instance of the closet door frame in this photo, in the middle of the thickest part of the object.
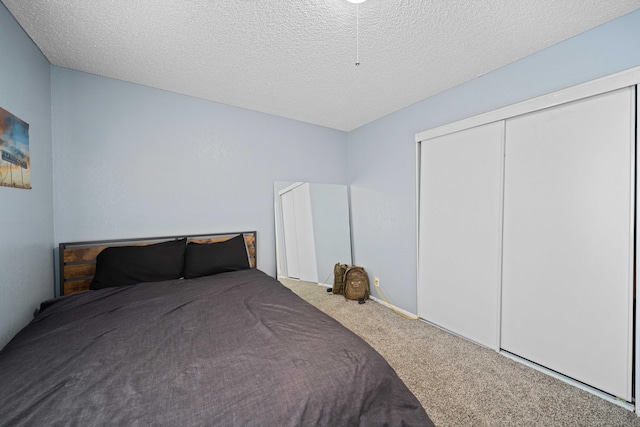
(636, 332)
(626, 78)
(290, 247)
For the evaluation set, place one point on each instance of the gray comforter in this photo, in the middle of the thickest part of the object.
(235, 349)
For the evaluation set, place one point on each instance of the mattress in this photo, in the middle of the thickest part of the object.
(232, 349)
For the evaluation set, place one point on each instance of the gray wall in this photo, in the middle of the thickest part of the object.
(134, 161)
(26, 225)
(382, 154)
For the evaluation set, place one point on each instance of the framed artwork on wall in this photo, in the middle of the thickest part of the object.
(15, 163)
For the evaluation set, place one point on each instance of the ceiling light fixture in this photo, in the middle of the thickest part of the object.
(357, 2)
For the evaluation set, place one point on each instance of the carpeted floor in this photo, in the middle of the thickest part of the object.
(460, 383)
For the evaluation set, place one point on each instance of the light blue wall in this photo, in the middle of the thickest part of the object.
(382, 154)
(134, 161)
(26, 221)
(330, 211)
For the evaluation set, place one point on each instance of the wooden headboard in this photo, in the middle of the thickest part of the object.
(78, 259)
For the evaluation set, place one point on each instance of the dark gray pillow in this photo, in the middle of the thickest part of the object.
(128, 265)
(206, 259)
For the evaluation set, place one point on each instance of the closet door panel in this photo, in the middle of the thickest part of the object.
(460, 232)
(290, 237)
(568, 230)
(307, 262)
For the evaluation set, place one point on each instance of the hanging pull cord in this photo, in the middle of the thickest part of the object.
(357, 34)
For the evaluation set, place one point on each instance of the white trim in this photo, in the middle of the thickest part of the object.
(500, 240)
(418, 168)
(604, 84)
(571, 381)
(391, 306)
(633, 375)
(275, 229)
(637, 259)
(290, 187)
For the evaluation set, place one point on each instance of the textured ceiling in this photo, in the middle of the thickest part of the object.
(296, 59)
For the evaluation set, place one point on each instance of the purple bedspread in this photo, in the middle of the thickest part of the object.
(235, 349)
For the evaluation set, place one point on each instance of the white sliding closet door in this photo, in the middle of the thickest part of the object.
(290, 235)
(307, 262)
(460, 232)
(568, 240)
(300, 246)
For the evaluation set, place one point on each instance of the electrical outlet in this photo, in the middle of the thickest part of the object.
(376, 281)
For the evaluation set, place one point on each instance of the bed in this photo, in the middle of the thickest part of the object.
(230, 348)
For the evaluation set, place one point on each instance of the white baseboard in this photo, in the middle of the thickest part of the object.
(393, 307)
(325, 285)
(379, 301)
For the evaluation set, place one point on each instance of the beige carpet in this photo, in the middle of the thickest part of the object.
(460, 383)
